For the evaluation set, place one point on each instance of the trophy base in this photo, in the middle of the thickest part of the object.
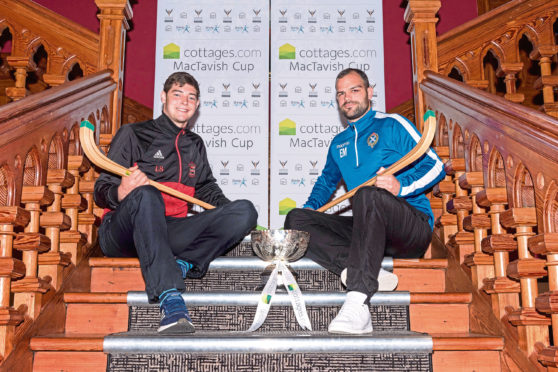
(264, 277)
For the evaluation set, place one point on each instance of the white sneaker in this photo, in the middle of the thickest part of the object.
(353, 318)
(387, 281)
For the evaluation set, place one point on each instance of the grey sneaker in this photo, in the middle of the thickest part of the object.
(387, 281)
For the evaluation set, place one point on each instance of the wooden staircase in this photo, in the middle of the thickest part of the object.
(484, 293)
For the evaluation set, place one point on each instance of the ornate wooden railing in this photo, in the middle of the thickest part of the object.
(499, 215)
(501, 204)
(46, 185)
(509, 51)
(66, 45)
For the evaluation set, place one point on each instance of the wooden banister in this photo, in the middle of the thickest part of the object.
(37, 136)
(499, 31)
(49, 27)
(526, 142)
(66, 44)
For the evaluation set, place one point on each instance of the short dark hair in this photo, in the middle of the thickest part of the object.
(181, 78)
(348, 71)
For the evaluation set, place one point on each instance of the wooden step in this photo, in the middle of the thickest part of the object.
(123, 274)
(69, 361)
(461, 352)
(105, 313)
(466, 352)
(439, 312)
(68, 353)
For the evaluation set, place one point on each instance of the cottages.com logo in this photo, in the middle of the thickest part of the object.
(287, 51)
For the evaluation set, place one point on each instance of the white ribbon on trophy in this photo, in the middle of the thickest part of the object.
(268, 292)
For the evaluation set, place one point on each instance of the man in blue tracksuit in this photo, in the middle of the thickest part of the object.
(392, 218)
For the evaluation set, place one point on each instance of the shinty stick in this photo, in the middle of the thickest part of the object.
(86, 136)
(421, 147)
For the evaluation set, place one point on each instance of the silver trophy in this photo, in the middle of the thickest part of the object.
(279, 245)
(278, 248)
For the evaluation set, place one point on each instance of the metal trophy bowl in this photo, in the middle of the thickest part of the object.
(279, 245)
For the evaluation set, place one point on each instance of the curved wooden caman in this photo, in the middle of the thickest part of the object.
(86, 136)
(420, 149)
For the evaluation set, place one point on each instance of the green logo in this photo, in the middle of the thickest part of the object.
(266, 299)
(291, 287)
(287, 51)
(171, 51)
(287, 127)
(286, 205)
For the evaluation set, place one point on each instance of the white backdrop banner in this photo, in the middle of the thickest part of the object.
(225, 46)
(310, 44)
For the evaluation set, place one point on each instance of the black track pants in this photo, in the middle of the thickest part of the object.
(139, 228)
(381, 225)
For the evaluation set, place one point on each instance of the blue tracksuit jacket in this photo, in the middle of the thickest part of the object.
(378, 140)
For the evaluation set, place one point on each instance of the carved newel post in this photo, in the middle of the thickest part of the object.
(114, 17)
(421, 17)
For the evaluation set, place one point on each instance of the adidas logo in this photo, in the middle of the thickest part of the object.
(158, 155)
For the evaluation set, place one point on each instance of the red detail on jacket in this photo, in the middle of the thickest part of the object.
(175, 207)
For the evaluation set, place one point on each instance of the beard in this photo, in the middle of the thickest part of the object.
(357, 111)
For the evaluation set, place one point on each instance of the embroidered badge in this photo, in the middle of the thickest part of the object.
(192, 170)
(372, 140)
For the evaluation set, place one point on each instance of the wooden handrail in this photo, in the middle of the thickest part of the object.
(528, 128)
(477, 32)
(66, 44)
(67, 101)
(52, 28)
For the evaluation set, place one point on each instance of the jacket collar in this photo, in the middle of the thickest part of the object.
(166, 125)
(364, 120)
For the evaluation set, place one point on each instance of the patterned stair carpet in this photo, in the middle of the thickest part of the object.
(277, 362)
(220, 345)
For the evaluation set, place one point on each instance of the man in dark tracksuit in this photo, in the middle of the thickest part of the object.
(145, 223)
(393, 217)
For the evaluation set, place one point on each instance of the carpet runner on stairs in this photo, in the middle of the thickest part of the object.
(223, 304)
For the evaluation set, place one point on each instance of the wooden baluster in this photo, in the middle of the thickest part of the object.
(462, 242)
(53, 220)
(547, 82)
(10, 268)
(547, 244)
(72, 241)
(30, 290)
(510, 70)
(104, 141)
(87, 219)
(443, 152)
(55, 75)
(438, 206)
(21, 66)
(421, 17)
(114, 16)
(436, 201)
(447, 221)
(532, 326)
(502, 290)
(481, 264)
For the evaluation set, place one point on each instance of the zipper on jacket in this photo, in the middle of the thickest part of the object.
(356, 149)
(178, 153)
